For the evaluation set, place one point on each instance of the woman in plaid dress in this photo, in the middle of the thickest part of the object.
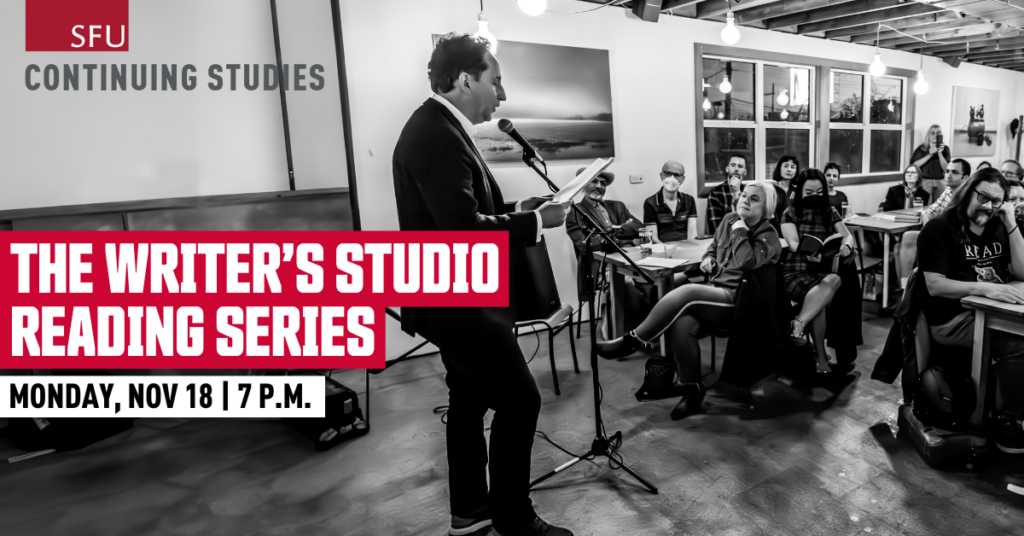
(809, 279)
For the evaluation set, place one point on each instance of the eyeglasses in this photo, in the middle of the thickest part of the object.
(983, 199)
(679, 176)
(1011, 174)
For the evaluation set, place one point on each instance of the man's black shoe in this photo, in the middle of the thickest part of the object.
(539, 527)
(1009, 435)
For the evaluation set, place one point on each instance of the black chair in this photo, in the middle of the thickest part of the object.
(554, 324)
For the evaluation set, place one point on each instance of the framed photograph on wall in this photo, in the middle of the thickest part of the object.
(559, 98)
(975, 121)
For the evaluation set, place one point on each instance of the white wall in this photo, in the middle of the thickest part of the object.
(388, 45)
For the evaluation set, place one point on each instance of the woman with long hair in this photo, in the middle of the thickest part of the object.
(785, 171)
(931, 159)
(808, 278)
(835, 197)
(745, 241)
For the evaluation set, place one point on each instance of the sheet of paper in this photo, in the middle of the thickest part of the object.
(576, 185)
(658, 262)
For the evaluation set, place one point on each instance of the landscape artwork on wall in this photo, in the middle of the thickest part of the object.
(559, 98)
(975, 118)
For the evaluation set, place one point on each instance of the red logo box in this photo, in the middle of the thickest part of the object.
(76, 25)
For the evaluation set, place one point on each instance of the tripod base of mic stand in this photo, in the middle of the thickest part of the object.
(602, 446)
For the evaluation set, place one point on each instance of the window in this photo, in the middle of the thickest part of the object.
(866, 135)
(765, 111)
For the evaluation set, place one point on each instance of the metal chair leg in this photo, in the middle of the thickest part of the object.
(713, 353)
(579, 321)
(572, 345)
(551, 355)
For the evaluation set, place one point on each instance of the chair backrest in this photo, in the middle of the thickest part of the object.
(536, 290)
(923, 342)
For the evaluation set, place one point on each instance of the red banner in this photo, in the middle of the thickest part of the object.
(232, 300)
(76, 25)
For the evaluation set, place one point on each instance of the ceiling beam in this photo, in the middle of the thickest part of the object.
(899, 24)
(860, 19)
(958, 49)
(778, 9)
(829, 13)
(669, 5)
(901, 43)
(918, 30)
(975, 40)
(717, 8)
(1002, 54)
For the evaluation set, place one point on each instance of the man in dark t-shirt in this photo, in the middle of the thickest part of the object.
(669, 208)
(972, 249)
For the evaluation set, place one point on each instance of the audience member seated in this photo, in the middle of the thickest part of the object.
(744, 242)
(613, 216)
(722, 198)
(785, 171)
(835, 197)
(931, 158)
(956, 172)
(1012, 170)
(1016, 193)
(670, 209)
(971, 250)
(810, 280)
(904, 195)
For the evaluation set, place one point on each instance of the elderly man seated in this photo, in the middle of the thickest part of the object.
(612, 216)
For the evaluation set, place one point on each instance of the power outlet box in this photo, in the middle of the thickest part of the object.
(636, 179)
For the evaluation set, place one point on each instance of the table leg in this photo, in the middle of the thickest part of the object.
(979, 366)
(664, 286)
(885, 270)
(617, 304)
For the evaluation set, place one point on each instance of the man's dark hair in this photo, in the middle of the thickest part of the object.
(456, 53)
(741, 157)
(1015, 183)
(956, 211)
(1016, 164)
(823, 207)
(965, 166)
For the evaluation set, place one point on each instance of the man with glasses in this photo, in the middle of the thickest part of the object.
(973, 249)
(670, 209)
(1012, 170)
(613, 216)
(956, 172)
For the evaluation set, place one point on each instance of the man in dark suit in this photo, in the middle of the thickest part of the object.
(442, 183)
(613, 216)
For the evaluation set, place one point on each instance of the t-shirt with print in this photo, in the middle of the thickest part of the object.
(984, 258)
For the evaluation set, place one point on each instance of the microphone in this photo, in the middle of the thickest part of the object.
(529, 152)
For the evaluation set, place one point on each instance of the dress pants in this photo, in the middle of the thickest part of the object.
(487, 370)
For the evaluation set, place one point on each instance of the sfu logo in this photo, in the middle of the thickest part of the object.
(76, 25)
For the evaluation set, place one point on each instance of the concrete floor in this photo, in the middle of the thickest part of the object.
(798, 464)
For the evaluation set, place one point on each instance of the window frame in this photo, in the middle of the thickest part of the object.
(866, 126)
(820, 91)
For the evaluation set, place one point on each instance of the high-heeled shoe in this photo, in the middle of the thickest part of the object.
(796, 336)
(622, 346)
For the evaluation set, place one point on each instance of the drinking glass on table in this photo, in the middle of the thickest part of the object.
(670, 251)
(918, 204)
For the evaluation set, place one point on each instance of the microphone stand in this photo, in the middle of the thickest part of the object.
(602, 444)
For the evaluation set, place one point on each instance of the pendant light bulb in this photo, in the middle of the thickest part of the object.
(784, 115)
(707, 104)
(877, 67)
(533, 7)
(921, 85)
(725, 86)
(721, 115)
(783, 98)
(485, 33)
(730, 34)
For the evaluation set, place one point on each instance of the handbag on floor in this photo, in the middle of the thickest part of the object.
(342, 418)
(659, 380)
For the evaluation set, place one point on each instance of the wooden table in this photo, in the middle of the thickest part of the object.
(689, 251)
(887, 228)
(990, 315)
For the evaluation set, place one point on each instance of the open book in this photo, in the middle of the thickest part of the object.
(576, 185)
(810, 245)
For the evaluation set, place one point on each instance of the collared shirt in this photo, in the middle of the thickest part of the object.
(672, 224)
(720, 202)
(939, 206)
(470, 129)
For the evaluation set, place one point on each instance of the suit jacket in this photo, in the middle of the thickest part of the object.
(443, 184)
(617, 213)
(896, 197)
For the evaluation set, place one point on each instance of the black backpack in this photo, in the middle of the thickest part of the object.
(943, 399)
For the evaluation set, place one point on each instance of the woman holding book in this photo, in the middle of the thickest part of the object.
(744, 242)
(812, 228)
